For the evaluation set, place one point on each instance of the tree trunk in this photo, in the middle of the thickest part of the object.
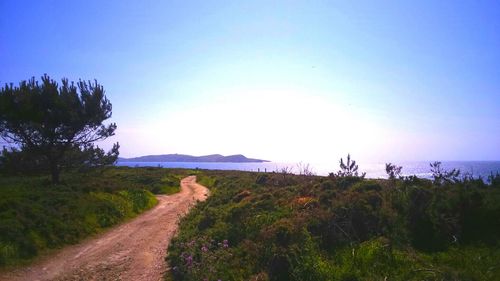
(54, 170)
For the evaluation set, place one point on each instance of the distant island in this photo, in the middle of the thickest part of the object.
(238, 158)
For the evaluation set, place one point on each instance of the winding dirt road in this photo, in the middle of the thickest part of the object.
(132, 251)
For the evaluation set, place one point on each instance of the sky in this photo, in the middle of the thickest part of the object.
(285, 81)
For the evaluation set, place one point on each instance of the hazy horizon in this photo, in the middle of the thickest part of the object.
(286, 81)
(304, 161)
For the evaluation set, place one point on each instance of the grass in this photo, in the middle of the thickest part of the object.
(271, 226)
(36, 216)
(275, 226)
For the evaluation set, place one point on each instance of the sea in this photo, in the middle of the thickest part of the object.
(373, 170)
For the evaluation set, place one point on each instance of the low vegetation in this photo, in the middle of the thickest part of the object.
(36, 215)
(279, 226)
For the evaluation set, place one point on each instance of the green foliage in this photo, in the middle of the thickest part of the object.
(442, 176)
(338, 228)
(349, 168)
(169, 184)
(54, 127)
(393, 171)
(36, 215)
(205, 180)
(494, 180)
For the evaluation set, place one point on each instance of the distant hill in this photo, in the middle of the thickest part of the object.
(238, 158)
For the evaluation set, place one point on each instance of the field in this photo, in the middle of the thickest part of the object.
(271, 226)
(278, 226)
(36, 215)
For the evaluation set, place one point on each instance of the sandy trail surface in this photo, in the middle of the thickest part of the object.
(134, 250)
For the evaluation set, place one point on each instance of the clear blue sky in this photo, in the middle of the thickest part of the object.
(281, 80)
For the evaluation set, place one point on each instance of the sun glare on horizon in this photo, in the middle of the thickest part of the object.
(301, 81)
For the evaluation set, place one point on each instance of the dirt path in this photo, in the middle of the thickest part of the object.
(132, 251)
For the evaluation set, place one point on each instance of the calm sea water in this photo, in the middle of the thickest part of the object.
(373, 170)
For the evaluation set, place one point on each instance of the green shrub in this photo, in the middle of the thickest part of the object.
(290, 227)
(36, 215)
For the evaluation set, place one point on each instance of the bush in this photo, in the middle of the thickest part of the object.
(339, 228)
(35, 215)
